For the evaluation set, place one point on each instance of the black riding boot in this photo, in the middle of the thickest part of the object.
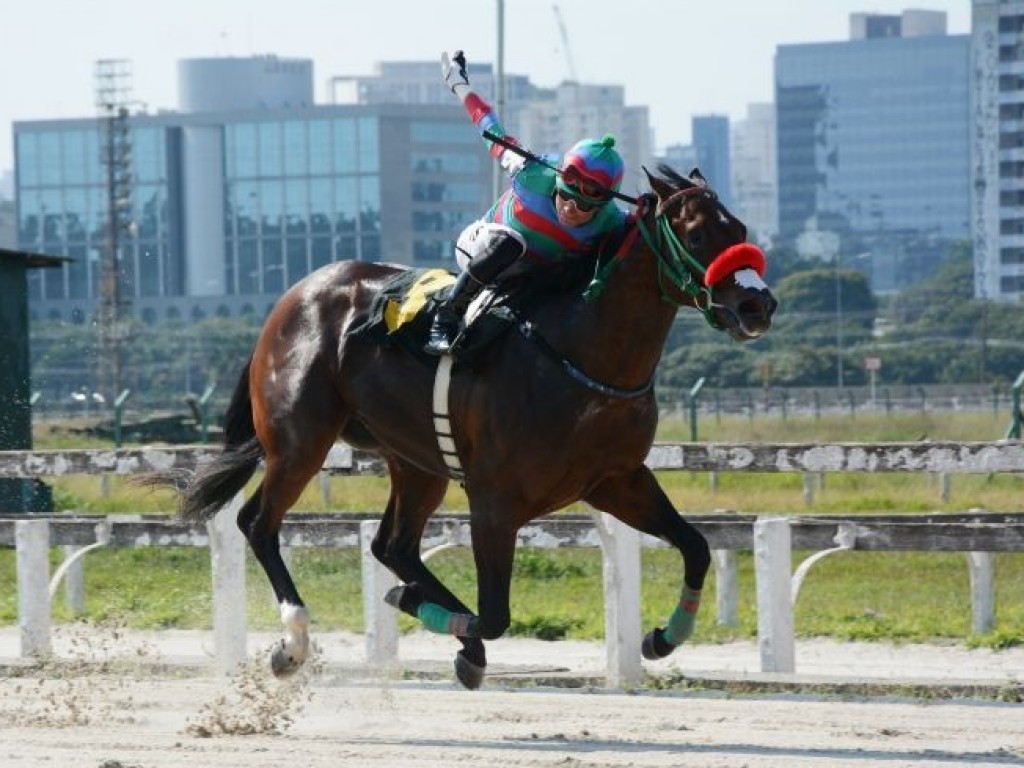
(448, 320)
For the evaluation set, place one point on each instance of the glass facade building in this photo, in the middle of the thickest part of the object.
(997, 149)
(231, 208)
(873, 149)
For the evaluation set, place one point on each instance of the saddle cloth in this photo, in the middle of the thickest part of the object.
(404, 304)
(404, 308)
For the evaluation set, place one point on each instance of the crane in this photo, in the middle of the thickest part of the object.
(565, 42)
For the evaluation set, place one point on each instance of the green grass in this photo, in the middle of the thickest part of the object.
(855, 596)
(905, 597)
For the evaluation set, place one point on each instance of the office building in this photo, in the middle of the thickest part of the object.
(754, 173)
(873, 146)
(243, 192)
(997, 149)
(250, 185)
(711, 143)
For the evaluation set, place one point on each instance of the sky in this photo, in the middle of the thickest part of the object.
(678, 57)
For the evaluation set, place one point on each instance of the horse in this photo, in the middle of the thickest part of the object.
(561, 411)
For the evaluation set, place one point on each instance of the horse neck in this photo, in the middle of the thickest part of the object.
(618, 338)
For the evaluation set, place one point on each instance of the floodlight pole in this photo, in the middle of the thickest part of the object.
(499, 90)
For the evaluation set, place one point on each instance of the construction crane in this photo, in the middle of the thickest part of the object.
(565, 42)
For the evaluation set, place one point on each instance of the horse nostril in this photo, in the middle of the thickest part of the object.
(757, 312)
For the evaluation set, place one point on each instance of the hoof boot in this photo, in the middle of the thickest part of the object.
(655, 646)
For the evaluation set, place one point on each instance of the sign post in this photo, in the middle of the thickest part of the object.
(873, 365)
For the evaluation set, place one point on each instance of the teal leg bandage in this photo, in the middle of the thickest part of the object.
(444, 622)
(684, 617)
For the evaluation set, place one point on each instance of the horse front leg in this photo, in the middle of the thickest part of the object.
(493, 553)
(415, 495)
(637, 499)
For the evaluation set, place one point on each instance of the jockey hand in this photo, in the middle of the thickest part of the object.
(512, 162)
(454, 70)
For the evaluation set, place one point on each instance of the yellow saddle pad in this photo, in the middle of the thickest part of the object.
(400, 311)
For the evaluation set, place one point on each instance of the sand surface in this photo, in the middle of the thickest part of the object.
(97, 707)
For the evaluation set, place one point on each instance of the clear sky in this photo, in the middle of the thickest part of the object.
(679, 57)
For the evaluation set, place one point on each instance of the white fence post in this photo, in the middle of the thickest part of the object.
(726, 587)
(981, 566)
(227, 560)
(32, 539)
(772, 561)
(380, 619)
(620, 548)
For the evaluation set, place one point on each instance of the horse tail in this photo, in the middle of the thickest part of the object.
(217, 481)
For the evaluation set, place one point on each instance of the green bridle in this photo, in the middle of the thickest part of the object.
(676, 267)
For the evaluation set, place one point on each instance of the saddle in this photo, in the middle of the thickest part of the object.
(404, 307)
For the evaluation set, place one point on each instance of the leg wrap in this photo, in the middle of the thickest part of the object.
(684, 617)
(442, 621)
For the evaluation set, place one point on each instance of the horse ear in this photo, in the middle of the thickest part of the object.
(660, 187)
(697, 176)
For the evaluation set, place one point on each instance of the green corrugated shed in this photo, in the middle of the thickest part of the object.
(15, 376)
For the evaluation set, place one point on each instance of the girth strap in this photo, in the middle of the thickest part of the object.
(442, 420)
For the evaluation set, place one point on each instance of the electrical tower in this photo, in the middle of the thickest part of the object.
(113, 95)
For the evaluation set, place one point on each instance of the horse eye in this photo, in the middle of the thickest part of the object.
(697, 239)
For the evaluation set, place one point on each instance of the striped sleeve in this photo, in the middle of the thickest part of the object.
(484, 118)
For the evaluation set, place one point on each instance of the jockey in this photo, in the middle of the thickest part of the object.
(544, 217)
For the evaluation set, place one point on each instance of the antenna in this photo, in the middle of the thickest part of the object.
(565, 43)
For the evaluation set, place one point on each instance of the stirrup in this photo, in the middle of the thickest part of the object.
(443, 336)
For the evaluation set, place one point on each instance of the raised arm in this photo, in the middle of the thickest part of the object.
(453, 69)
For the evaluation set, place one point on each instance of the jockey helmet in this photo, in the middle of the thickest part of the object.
(591, 170)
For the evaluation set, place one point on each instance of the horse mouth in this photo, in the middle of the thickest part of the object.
(745, 323)
(742, 333)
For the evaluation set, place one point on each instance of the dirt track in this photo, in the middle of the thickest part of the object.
(174, 723)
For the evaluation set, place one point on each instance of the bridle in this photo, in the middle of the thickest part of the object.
(678, 268)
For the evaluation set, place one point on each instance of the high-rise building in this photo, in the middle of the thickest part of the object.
(997, 149)
(754, 173)
(231, 205)
(709, 152)
(873, 137)
(711, 143)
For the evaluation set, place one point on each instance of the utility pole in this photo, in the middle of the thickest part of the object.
(113, 95)
(499, 87)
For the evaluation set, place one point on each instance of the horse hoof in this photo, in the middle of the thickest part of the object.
(469, 674)
(283, 664)
(655, 646)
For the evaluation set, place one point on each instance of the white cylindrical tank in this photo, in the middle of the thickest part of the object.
(234, 84)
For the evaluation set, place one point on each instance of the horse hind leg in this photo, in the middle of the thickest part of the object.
(260, 520)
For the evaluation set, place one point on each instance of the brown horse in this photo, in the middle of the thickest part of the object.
(559, 412)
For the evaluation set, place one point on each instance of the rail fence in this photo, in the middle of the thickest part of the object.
(772, 539)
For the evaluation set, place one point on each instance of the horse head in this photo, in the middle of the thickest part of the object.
(704, 257)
